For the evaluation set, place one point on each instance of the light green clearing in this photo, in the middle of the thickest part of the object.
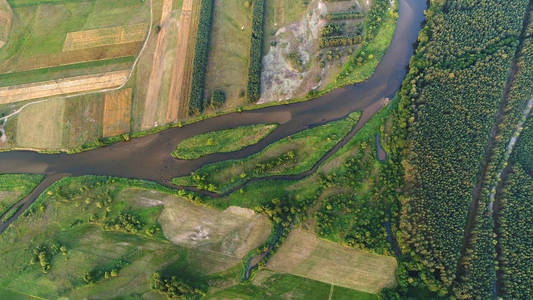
(227, 140)
(291, 155)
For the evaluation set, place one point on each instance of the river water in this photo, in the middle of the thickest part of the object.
(149, 157)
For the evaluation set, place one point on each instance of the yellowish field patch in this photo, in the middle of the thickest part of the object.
(70, 85)
(117, 112)
(305, 255)
(104, 37)
(41, 125)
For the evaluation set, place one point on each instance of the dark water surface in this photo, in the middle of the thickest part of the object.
(149, 157)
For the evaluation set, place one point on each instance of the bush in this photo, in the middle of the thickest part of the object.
(218, 98)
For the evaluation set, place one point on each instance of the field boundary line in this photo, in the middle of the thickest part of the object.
(5, 118)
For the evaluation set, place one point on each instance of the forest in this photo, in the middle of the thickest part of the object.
(449, 104)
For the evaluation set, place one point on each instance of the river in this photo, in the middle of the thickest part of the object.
(149, 157)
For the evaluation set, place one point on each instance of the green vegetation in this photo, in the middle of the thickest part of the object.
(523, 152)
(337, 41)
(453, 93)
(291, 155)
(227, 140)
(84, 238)
(201, 50)
(228, 57)
(514, 232)
(269, 285)
(345, 15)
(256, 51)
(379, 26)
(58, 72)
(14, 187)
(174, 288)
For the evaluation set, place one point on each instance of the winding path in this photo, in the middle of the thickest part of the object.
(149, 157)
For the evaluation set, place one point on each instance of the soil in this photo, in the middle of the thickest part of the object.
(70, 85)
(154, 83)
(182, 70)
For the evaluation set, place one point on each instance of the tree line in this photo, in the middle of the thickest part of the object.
(446, 110)
(201, 49)
(256, 52)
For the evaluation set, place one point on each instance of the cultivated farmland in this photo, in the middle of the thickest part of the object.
(64, 86)
(305, 255)
(117, 114)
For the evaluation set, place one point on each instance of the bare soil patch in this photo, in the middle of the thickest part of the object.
(305, 255)
(178, 100)
(154, 83)
(71, 85)
(117, 112)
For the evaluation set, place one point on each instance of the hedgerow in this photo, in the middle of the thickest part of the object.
(196, 98)
(256, 52)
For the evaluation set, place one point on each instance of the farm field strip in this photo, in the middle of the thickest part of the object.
(156, 74)
(117, 109)
(305, 255)
(104, 37)
(177, 105)
(71, 85)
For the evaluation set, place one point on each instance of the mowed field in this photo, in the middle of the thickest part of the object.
(303, 254)
(74, 212)
(230, 50)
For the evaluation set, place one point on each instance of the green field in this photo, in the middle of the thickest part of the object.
(270, 285)
(93, 225)
(40, 28)
(290, 155)
(222, 141)
(14, 187)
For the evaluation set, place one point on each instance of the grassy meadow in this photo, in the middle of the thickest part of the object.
(14, 187)
(104, 238)
(222, 141)
(230, 49)
(291, 155)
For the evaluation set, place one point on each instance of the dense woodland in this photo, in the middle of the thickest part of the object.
(256, 52)
(447, 110)
(196, 99)
(515, 232)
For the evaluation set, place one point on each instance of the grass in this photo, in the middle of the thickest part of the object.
(303, 254)
(230, 49)
(17, 186)
(73, 213)
(372, 51)
(280, 13)
(222, 141)
(270, 285)
(41, 125)
(40, 28)
(290, 155)
(60, 72)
